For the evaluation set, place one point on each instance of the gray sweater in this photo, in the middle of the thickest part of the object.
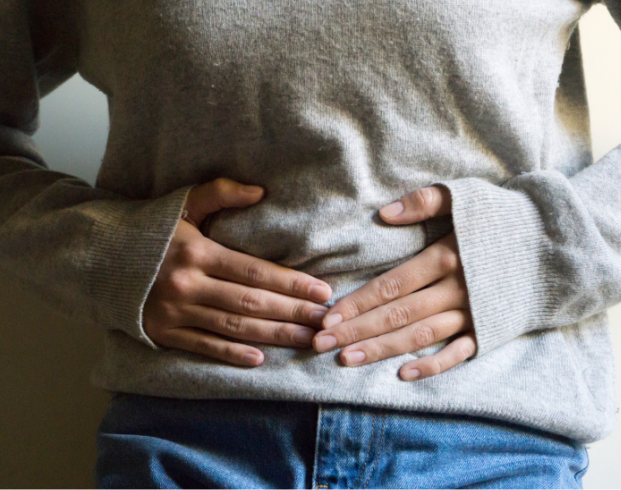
(336, 108)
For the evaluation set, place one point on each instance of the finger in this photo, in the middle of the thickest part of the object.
(408, 339)
(210, 345)
(419, 205)
(252, 271)
(256, 302)
(245, 327)
(453, 354)
(430, 265)
(220, 193)
(443, 296)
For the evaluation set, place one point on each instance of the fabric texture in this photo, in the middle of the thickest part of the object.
(336, 108)
(147, 442)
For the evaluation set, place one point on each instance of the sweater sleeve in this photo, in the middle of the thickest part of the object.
(543, 249)
(86, 252)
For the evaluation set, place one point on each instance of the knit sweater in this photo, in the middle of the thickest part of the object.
(337, 108)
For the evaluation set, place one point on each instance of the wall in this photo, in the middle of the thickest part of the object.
(601, 44)
(49, 411)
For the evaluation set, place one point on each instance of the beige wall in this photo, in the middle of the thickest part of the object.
(49, 413)
(601, 44)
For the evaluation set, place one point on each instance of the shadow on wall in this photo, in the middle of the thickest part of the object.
(50, 413)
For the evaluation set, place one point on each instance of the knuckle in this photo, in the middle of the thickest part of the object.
(396, 317)
(373, 350)
(433, 367)
(297, 285)
(424, 335)
(298, 311)
(229, 353)
(388, 288)
(179, 284)
(349, 333)
(255, 273)
(448, 261)
(423, 199)
(352, 307)
(466, 350)
(221, 184)
(281, 334)
(202, 346)
(251, 301)
(234, 324)
(190, 253)
(379, 350)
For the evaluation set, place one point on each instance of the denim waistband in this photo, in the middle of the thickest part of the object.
(158, 442)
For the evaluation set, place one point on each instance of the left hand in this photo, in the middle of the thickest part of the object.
(416, 304)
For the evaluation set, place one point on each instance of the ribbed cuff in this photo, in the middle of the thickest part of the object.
(504, 252)
(130, 240)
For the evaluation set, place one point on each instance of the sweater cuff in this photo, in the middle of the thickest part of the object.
(130, 240)
(504, 252)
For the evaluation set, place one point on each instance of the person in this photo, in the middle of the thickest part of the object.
(332, 244)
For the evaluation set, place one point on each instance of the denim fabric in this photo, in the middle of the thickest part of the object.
(149, 442)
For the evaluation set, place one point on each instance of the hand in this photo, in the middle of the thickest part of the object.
(205, 292)
(416, 304)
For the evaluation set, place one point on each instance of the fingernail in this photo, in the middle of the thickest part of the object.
(392, 210)
(325, 343)
(252, 189)
(333, 319)
(411, 374)
(317, 315)
(320, 293)
(250, 359)
(355, 357)
(303, 336)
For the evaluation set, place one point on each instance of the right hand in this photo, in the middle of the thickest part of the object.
(205, 292)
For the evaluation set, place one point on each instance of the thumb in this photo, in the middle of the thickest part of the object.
(220, 193)
(419, 205)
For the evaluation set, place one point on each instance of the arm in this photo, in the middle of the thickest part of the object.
(86, 252)
(126, 264)
(544, 249)
(539, 251)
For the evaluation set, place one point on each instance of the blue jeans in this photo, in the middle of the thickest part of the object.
(149, 442)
